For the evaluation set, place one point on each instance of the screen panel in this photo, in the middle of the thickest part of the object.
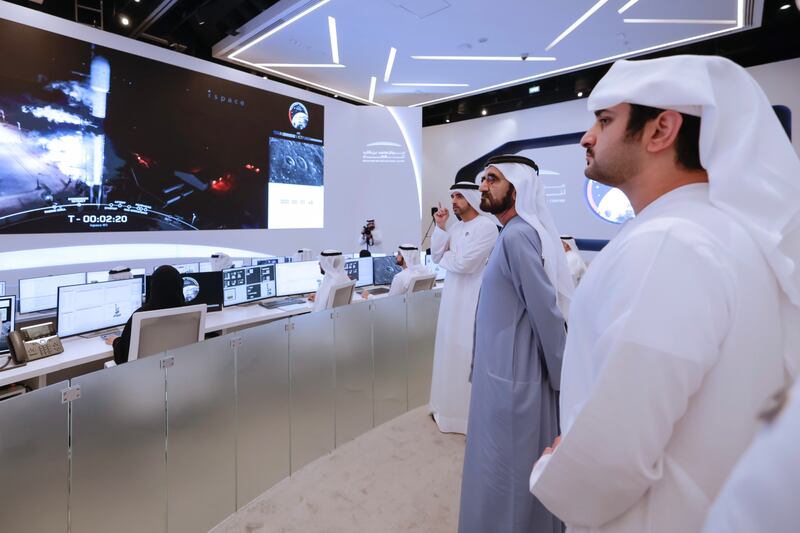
(6, 321)
(41, 294)
(248, 284)
(94, 306)
(298, 278)
(87, 148)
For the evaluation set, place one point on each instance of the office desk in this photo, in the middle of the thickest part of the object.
(79, 350)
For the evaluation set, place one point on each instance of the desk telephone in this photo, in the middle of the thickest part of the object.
(34, 342)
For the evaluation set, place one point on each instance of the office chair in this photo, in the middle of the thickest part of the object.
(341, 294)
(423, 282)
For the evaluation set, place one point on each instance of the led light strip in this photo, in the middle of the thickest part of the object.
(626, 7)
(483, 58)
(389, 64)
(678, 21)
(431, 84)
(577, 23)
(334, 39)
(372, 81)
(295, 65)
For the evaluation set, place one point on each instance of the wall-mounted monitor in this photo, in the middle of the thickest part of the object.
(41, 294)
(94, 306)
(300, 277)
(248, 284)
(105, 140)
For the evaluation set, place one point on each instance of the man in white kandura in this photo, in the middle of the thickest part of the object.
(761, 493)
(462, 251)
(687, 322)
(408, 258)
(331, 264)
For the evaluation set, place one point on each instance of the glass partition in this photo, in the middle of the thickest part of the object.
(262, 428)
(34, 470)
(353, 339)
(201, 442)
(390, 355)
(313, 387)
(118, 449)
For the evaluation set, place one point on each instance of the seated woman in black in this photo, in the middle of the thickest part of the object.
(166, 290)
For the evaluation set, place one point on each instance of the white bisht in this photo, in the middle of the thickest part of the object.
(687, 321)
(414, 267)
(332, 264)
(462, 251)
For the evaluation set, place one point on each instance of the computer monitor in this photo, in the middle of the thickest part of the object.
(7, 321)
(102, 275)
(2, 288)
(440, 272)
(40, 294)
(93, 306)
(298, 277)
(205, 266)
(198, 288)
(185, 268)
(267, 260)
(247, 284)
(360, 270)
(384, 269)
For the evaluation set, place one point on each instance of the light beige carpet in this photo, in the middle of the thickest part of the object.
(401, 476)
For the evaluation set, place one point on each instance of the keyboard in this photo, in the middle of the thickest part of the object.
(117, 331)
(378, 290)
(281, 303)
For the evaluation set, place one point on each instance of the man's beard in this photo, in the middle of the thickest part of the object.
(614, 172)
(489, 204)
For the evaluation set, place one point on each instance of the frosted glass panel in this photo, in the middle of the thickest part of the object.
(33, 461)
(422, 310)
(118, 455)
(201, 467)
(313, 387)
(263, 409)
(353, 337)
(390, 347)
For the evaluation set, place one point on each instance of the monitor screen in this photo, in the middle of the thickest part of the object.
(384, 269)
(268, 260)
(39, 294)
(298, 278)
(2, 288)
(93, 306)
(360, 270)
(7, 320)
(198, 288)
(102, 275)
(97, 151)
(440, 272)
(185, 268)
(248, 284)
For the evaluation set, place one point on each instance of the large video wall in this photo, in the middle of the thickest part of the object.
(95, 140)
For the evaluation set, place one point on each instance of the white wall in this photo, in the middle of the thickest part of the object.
(353, 192)
(447, 148)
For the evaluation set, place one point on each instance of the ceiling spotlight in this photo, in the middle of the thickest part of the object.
(785, 7)
(580, 94)
(125, 21)
(483, 112)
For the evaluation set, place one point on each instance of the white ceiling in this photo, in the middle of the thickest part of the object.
(297, 32)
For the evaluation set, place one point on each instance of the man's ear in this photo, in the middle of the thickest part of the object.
(662, 132)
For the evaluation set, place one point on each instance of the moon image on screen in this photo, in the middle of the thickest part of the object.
(298, 115)
(609, 203)
(190, 289)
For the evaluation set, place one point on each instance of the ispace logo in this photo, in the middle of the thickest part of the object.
(298, 116)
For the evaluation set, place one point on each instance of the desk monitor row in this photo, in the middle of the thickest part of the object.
(6, 321)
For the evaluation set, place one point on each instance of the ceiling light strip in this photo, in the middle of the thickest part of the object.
(306, 82)
(679, 21)
(626, 7)
(389, 64)
(577, 23)
(334, 39)
(580, 66)
(302, 65)
(431, 84)
(483, 58)
(372, 81)
(278, 28)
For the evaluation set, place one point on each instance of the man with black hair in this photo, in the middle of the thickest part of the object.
(686, 323)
